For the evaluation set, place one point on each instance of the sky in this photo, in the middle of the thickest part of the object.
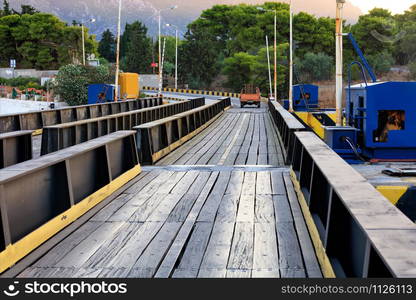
(398, 6)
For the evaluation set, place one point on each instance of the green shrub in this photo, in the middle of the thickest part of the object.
(72, 82)
(412, 69)
(381, 62)
(315, 67)
(22, 82)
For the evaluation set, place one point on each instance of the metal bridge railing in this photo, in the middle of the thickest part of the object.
(39, 119)
(15, 147)
(355, 230)
(157, 139)
(61, 136)
(286, 125)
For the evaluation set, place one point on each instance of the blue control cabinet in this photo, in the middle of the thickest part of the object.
(305, 97)
(101, 93)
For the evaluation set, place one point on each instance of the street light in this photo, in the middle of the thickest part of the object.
(176, 53)
(83, 39)
(275, 47)
(160, 46)
(291, 58)
(118, 51)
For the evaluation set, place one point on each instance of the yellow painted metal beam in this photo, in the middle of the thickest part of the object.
(326, 266)
(393, 193)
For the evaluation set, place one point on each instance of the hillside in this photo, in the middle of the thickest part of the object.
(105, 11)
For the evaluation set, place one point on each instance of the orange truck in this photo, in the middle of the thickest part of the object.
(250, 95)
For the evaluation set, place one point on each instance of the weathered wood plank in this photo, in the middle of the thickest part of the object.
(282, 209)
(141, 213)
(210, 207)
(312, 266)
(238, 274)
(249, 185)
(263, 183)
(104, 214)
(264, 209)
(83, 251)
(290, 256)
(194, 251)
(266, 255)
(227, 211)
(138, 186)
(183, 185)
(147, 264)
(64, 247)
(181, 240)
(246, 209)
(278, 185)
(242, 249)
(112, 246)
(131, 251)
(218, 249)
(235, 185)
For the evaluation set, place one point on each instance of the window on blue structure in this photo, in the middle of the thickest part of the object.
(389, 120)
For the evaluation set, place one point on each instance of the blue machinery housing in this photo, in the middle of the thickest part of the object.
(383, 115)
(305, 97)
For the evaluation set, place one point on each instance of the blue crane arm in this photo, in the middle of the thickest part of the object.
(362, 57)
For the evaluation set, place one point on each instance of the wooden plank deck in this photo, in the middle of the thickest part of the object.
(239, 137)
(219, 206)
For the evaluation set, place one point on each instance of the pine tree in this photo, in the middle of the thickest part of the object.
(28, 9)
(107, 46)
(136, 48)
(6, 8)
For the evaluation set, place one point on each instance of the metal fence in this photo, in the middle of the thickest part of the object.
(58, 189)
(286, 124)
(15, 147)
(157, 139)
(61, 136)
(356, 231)
(39, 119)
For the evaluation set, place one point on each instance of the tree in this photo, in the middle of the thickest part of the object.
(261, 69)
(240, 70)
(315, 67)
(381, 62)
(136, 48)
(72, 82)
(375, 30)
(107, 46)
(200, 60)
(28, 9)
(225, 30)
(41, 41)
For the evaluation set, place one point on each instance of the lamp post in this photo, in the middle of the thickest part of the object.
(118, 51)
(339, 85)
(291, 58)
(176, 53)
(275, 47)
(160, 46)
(83, 39)
(268, 64)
